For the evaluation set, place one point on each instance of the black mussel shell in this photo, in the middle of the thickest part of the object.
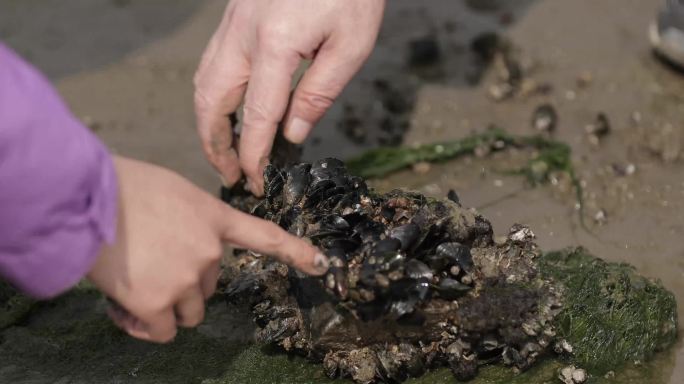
(336, 253)
(335, 222)
(327, 169)
(225, 194)
(402, 308)
(418, 289)
(358, 184)
(353, 218)
(348, 244)
(392, 261)
(414, 365)
(369, 231)
(298, 227)
(387, 213)
(390, 369)
(451, 195)
(338, 277)
(386, 246)
(454, 253)
(288, 217)
(406, 294)
(261, 209)
(367, 274)
(451, 289)
(273, 181)
(317, 192)
(416, 269)
(348, 200)
(406, 234)
(297, 183)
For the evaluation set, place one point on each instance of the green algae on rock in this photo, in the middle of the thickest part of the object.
(611, 315)
(14, 307)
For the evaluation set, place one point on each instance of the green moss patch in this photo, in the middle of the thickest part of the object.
(611, 315)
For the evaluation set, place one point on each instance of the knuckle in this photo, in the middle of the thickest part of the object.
(278, 241)
(271, 34)
(315, 101)
(157, 305)
(357, 52)
(256, 114)
(202, 102)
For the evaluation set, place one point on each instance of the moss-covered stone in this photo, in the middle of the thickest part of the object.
(611, 314)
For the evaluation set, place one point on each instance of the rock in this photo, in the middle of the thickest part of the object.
(544, 118)
(424, 51)
(412, 277)
(579, 376)
(584, 79)
(422, 167)
(572, 375)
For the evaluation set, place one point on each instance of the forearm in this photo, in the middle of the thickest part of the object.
(57, 185)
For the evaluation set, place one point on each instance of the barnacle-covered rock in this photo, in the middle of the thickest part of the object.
(413, 283)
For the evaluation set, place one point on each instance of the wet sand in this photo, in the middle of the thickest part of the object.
(132, 84)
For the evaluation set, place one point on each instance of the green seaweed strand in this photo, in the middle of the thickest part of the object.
(554, 156)
(385, 160)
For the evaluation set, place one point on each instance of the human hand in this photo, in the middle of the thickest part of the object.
(165, 261)
(255, 52)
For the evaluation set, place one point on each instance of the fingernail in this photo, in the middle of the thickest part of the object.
(136, 328)
(254, 186)
(321, 263)
(299, 130)
(138, 333)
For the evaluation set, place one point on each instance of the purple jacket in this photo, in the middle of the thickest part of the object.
(58, 192)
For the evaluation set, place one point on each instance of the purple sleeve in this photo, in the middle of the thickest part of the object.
(58, 192)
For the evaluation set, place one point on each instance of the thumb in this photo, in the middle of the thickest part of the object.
(249, 232)
(321, 84)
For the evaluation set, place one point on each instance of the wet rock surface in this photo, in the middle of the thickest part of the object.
(414, 282)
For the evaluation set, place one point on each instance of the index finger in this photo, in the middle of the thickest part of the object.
(266, 100)
(219, 85)
(249, 232)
